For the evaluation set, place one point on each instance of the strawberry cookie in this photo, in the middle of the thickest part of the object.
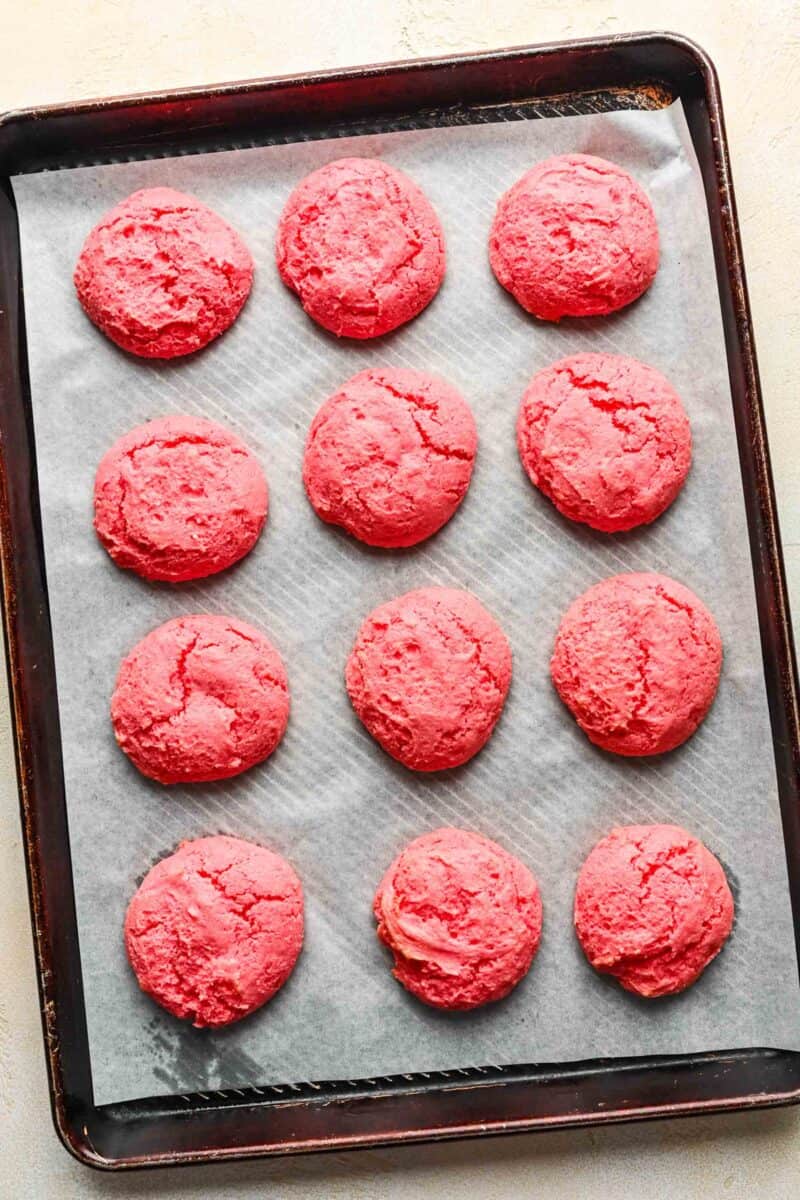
(215, 929)
(389, 456)
(637, 661)
(576, 236)
(200, 698)
(179, 498)
(360, 244)
(162, 274)
(428, 675)
(652, 908)
(462, 917)
(606, 438)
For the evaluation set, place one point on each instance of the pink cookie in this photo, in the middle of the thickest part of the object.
(652, 907)
(361, 245)
(606, 439)
(200, 698)
(389, 456)
(215, 929)
(428, 675)
(163, 275)
(637, 661)
(576, 236)
(462, 917)
(179, 498)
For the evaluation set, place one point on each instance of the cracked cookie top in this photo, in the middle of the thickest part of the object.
(606, 438)
(215, 929)
(576, 236)
(389, 456)
(360, 244)
(428, 675)
(652, 907)
(462, 917)
(637, 660)
(162, 274)
(179, 498)
(200, 698)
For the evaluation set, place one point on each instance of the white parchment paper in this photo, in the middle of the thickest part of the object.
(329, 798)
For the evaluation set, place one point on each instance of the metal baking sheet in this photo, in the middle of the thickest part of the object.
(329, 798)
(638, 71)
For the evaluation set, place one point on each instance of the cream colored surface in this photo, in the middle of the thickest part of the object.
(63, 49)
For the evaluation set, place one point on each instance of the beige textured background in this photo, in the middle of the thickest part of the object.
(62, 49)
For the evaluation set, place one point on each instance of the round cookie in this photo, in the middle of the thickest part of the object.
(361, 245)
(462, 917)
(576, 236)
(389, 456)
(637, 661)
(215, 929)
(162, 274)
(179, 498)
(200, 698)
(428, 675)
(652, 907)
(606, 438)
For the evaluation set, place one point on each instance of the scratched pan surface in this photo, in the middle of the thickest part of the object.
(621, 73)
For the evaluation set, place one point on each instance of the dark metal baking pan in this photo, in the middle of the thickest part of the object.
(641, 71)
